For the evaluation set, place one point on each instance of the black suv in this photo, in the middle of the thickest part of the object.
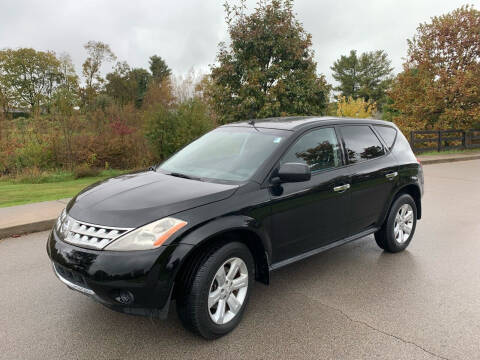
(241, 201)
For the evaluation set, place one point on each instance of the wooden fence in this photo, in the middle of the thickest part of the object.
(440, 140)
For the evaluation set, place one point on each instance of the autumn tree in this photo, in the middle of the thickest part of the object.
(29, 78)
(355, 108)
(439, 87)
(366, 76)
(268, 68)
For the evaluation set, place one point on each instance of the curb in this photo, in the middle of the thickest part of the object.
(48, 224)
(27, 228)
(448, 160)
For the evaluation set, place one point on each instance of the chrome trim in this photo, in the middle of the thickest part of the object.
(87, 235)
(72, 285)
(392, 175)
(341, 187)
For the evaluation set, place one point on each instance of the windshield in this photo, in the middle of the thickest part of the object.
(230, 154)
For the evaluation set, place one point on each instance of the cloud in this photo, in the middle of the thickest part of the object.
(186, 33)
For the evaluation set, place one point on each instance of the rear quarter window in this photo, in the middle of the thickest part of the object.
(388, 134)
(361, 143)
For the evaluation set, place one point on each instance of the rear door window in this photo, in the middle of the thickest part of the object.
(388, 134)
(361, 143)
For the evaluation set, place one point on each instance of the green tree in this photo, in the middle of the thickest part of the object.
(159, 68)
(126, 85)
(67, 94)
(29, 78)
(367, 76)
(439, 87)
(141, 78)
(118, 84)
(268, 68)
(170, 128)
(6, 96)
(346, 71)
(98, 53)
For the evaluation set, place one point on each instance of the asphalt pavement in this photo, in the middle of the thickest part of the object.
(352, 302)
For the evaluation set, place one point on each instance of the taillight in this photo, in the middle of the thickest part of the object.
(418, 160)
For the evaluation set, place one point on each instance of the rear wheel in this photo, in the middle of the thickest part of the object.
(399, 227)
(211, 303)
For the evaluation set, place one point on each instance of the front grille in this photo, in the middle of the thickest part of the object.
(90, 235)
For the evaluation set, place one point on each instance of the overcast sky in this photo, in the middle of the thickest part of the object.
(186, 32)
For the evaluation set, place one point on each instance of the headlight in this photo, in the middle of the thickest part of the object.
(147, 237)
(60, 219)
(62, 224)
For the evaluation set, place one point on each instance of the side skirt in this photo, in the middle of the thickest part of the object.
(285, 262)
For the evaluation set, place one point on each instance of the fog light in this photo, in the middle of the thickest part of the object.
(124, 297)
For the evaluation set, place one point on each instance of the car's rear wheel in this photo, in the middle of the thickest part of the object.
(399, 227)
(212, 301)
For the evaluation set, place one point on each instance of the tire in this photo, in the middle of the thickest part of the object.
(205, 283)
(393, 236)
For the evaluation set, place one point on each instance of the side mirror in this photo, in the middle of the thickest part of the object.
(294, 172)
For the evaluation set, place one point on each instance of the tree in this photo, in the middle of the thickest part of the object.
(119, 86)
(268, 68)
(346, 71)
(98, 53)
(29, 77)
(6, 96)
(141, 79)
(67, 93)
(69, 78)
(439, 87)
(170, 128)
(355, 108)
(126, 85)
(366, 76)
(159, 68)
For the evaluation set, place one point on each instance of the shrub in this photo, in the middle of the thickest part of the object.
(85, 170)
(169, 129)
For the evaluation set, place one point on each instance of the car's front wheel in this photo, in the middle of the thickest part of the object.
(399, 227)
(211, 302)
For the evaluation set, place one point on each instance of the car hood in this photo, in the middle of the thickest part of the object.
(136, 199)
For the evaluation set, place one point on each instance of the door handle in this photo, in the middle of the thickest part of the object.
(341, 187)
(392, 175)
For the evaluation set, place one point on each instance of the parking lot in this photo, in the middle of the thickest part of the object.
(352, 302)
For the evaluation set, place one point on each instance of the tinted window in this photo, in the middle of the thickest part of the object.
(361, 143)
(319, 149)
(388, 134)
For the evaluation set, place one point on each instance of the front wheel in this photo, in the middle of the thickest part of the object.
(211, 303)
(399, 227)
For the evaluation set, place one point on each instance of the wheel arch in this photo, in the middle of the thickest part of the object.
(414, 191)
(217, 233)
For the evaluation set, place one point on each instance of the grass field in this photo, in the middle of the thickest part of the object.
(467, 151)
(54, 187)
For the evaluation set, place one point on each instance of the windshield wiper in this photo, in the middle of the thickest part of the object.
(180, 175)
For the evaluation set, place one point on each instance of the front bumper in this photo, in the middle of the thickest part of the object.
(107, 276)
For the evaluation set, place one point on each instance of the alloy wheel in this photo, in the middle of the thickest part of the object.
(403, 223)
(228, 291)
